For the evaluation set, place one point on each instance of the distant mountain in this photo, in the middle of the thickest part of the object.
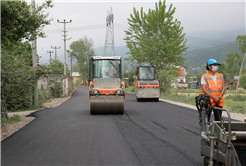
(202, 46)
(196, 55)
(197, 58)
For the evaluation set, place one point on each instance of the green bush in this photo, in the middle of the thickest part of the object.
(127, 83)
(15, 118)
(236, 98)
(132, 89)
(179, 98)
(55, 88)
(235, 106)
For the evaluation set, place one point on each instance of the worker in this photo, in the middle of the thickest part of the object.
(112, 70)
(213, 86)
(148, 74)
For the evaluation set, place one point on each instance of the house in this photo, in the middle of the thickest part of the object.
(181, 81)
(30, 65)
(182, 74)
(234, 83)
(76, 77)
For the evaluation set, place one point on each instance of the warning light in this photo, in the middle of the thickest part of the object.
(201, 94)
(121, 92)
(92, 91)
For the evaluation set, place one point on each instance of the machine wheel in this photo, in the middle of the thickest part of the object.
(205, 161)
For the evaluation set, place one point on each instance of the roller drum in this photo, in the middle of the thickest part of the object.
(107, 105)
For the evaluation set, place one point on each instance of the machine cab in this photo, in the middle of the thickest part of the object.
(146, 72)
(105, 67)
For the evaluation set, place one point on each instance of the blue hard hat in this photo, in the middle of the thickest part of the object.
(212, 62)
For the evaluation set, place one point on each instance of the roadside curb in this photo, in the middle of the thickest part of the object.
(175, 102)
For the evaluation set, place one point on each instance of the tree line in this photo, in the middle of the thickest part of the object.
(18, 28)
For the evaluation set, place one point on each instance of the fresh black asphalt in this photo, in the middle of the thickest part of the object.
(149, 133)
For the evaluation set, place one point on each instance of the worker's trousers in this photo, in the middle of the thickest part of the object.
(217, 114)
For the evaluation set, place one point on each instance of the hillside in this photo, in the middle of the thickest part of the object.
(195, 57)
(198, 57)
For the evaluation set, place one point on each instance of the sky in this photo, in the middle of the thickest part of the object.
(88, 18)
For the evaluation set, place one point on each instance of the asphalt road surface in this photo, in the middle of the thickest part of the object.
(149, 133)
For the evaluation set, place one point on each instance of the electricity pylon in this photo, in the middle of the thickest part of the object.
(109, 40)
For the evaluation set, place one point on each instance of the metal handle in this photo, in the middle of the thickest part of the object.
(229, 131)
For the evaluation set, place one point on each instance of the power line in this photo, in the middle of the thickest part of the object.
(125, 27)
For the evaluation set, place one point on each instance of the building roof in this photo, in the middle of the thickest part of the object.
(236, 77)
(75, 74)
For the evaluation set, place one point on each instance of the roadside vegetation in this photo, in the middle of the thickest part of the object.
(231, 102)
(13, 119)
(17, 77)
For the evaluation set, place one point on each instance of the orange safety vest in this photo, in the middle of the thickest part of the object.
(214, 89)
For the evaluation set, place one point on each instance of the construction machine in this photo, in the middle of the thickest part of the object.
(223, 143)
(146, 85)
(106, 90)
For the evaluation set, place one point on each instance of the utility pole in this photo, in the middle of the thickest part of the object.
(50, 54)
(55, 50)
(65, 65)
(34, 61)
(71, 65)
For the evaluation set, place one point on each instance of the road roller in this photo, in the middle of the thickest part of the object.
(106, 89)
(223, 143)
(146, 85)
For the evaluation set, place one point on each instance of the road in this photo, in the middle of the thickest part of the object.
(149, 133)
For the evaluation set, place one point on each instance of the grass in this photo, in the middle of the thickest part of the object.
(179, 98)
(13, 119)
(130, 89)
(232, 103)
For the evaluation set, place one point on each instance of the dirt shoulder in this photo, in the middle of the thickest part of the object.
(10, 129)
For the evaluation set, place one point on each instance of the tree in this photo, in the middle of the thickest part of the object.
(18, 23)
(76, 68)
(157, 38)
(56, 67)
(222, 70)
(17, 81)
(81, 51)
(233, 62)
(189, 74)
(125, 67)
(242, 46)
(18, 27)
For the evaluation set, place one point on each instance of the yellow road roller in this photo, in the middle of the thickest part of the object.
(106, 90)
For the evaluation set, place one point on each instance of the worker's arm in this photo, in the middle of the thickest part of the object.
(206, 92)
(222, 90)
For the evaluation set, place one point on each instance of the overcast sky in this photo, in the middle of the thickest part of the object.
(89, 19)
